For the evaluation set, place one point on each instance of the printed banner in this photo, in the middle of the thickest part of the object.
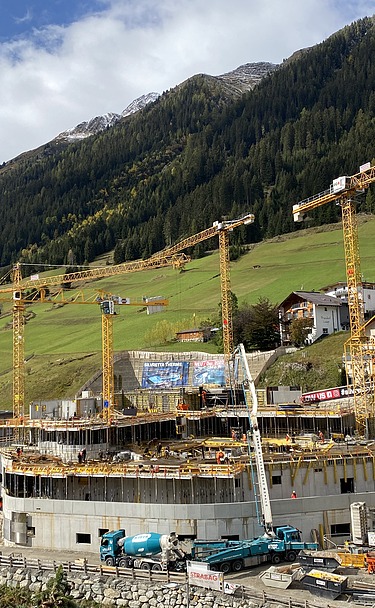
(203, 577)
(327, 394)
(208, 372)
(161, 374)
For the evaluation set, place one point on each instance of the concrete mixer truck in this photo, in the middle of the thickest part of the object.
(150, 551)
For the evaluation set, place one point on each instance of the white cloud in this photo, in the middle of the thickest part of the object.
(27, 17)
(60, 76)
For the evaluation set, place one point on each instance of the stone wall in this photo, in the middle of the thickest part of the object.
(116, 592)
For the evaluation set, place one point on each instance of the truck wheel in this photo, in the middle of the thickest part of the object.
(225, 567)
(291, 556)
(109, 560)
(275, 559)
(237, 565)
(156, 568)
(123, 562)
(145, 566)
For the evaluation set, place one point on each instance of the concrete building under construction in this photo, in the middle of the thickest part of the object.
(175, 456)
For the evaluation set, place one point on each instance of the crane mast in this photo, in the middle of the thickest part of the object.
(19, 348)
(221, 229)
(343, 191)
(108, 311)
(107, 307)
(264, 497)
(226, 302)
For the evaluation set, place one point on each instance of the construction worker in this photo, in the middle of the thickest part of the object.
(293, 494)
(220, 456)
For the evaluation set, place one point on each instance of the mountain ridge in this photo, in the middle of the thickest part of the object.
(200, 152)
(239, 80)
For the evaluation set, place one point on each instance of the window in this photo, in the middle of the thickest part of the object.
(340, 529)
(230, 537)
(325, 330)
(347, 487)
(84, 539)
(237, 483)
(102, 531)
(276, 480)
(30, 531)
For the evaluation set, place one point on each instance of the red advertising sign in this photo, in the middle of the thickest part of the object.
(327, 394)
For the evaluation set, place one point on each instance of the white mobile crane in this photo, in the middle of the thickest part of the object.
(275, 544)
(265, 513)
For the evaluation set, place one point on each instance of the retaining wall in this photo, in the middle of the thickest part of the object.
(116, 591)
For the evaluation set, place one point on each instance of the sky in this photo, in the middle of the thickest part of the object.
(65, 61)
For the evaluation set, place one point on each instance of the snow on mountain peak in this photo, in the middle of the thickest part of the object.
(139, 103)
(100, 123)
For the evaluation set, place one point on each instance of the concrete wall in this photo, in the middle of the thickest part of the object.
(139, 504)
(57, 523)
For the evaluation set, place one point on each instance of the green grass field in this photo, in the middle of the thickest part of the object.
(63, 345)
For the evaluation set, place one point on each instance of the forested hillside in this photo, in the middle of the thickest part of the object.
(196, 154)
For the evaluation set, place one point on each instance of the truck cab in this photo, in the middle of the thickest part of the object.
(109, 547)
(287, 543)
(288, 534)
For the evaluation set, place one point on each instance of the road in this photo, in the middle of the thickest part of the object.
(249, 578)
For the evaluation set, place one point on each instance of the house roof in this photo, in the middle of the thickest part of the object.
(191, 331)
(334, 286)
(320, 299)
(365, 285)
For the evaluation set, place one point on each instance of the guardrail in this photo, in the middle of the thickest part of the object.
(19, 561)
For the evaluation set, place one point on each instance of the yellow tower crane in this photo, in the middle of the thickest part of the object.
(343, 191)
(39, 286)
(221, 229)
(107, 307)
(170, 256)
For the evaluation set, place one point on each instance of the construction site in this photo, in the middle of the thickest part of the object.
(189, 443)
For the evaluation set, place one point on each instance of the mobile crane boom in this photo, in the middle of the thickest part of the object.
(264, 496)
